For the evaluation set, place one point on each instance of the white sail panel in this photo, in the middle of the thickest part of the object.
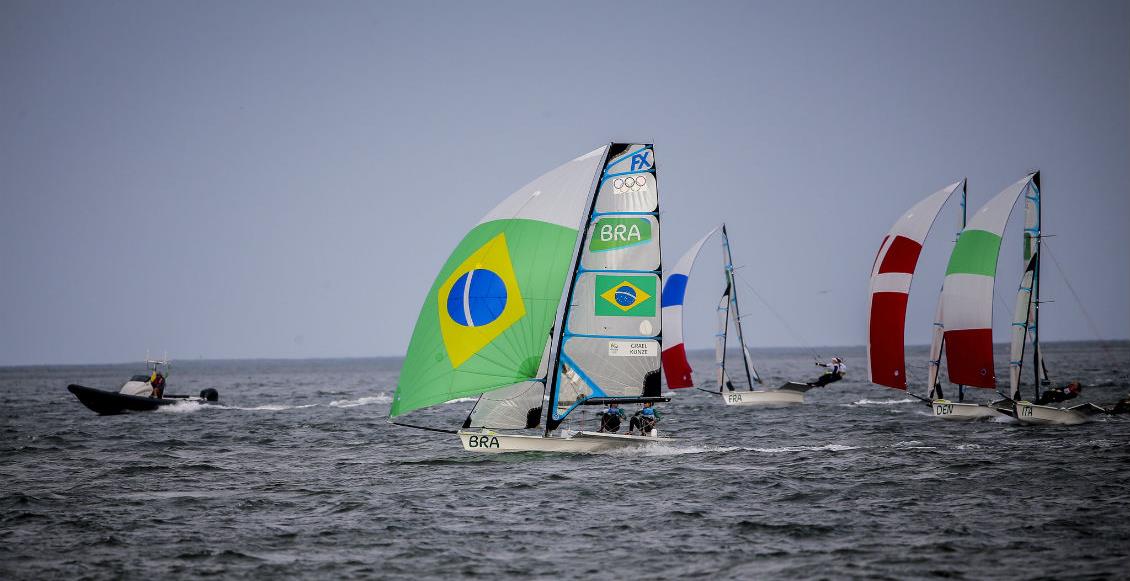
(1021, 320)
(607, 368)
(721, 335)
(557, 197)
(934, 364)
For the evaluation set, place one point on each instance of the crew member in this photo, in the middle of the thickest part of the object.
(158, 382)
(836, 370)
(611, 418)
(645, 420)
(1070, 391)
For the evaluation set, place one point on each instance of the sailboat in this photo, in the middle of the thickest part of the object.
(675, 364)
(549, 303)
(1025, 330)
(891, 277)
(967, 311)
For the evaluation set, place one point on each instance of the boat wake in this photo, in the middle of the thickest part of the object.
(883, 401)
(786, 449)
(266, 408)
(181, 407)
(352, 403)
(673, 450)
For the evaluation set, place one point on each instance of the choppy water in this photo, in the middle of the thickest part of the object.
(297, 473)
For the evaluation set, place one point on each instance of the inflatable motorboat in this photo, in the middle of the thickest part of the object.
(142, 393)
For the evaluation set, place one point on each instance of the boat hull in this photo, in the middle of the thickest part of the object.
(785, 395)
(948, 410)
(108, 403)
(578, 443)
(1030, 413)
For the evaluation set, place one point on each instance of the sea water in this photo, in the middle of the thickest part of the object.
(297, 473)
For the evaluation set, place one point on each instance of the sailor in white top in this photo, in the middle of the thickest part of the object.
(836, 370)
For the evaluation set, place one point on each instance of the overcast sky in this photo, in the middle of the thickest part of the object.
(246, 179)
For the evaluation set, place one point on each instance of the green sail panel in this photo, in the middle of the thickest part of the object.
(976, 252)
(486, 320)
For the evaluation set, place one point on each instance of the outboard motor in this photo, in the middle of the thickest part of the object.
(209, 394)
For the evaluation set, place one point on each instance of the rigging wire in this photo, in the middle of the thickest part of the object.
(785, 324)
(1079, 301)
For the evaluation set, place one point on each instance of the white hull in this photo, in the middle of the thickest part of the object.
(576, 442)
(756, 398)
(1030, 413)
(948, 410)
(788, 394)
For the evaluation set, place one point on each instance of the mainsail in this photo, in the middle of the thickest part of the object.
(1027, 297)
(891, 275)
(486, 322)
(675, 364)
(967, 293)
(609, 346)
(731, 311)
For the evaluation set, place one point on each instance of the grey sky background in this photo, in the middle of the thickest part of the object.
(228, 180)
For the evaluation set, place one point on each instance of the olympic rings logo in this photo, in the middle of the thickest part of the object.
(629, 184)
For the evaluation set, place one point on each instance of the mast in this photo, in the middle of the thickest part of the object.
(1036, 288)
(737, 309)
(964, 217)
(559, 332)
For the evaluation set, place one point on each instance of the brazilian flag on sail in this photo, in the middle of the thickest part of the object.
(625, 296)
(487, 319)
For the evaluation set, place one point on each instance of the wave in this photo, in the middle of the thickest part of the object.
(351, 403)
(181, 407)
(884, 401)
(267, 408)
(672, 450)
(462, 400)
(824, 448)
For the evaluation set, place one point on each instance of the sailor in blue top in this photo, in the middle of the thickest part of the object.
(611, 417)
(645, 420)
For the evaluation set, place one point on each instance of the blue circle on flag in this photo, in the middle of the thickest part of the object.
(477, 298)
(626, 296)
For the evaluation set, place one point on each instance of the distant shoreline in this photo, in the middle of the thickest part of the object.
(806, 351)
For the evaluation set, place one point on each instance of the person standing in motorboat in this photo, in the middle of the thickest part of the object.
(157, 380)
(611, 418)
(836, 370)
(1070, 391)
(645, 420)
